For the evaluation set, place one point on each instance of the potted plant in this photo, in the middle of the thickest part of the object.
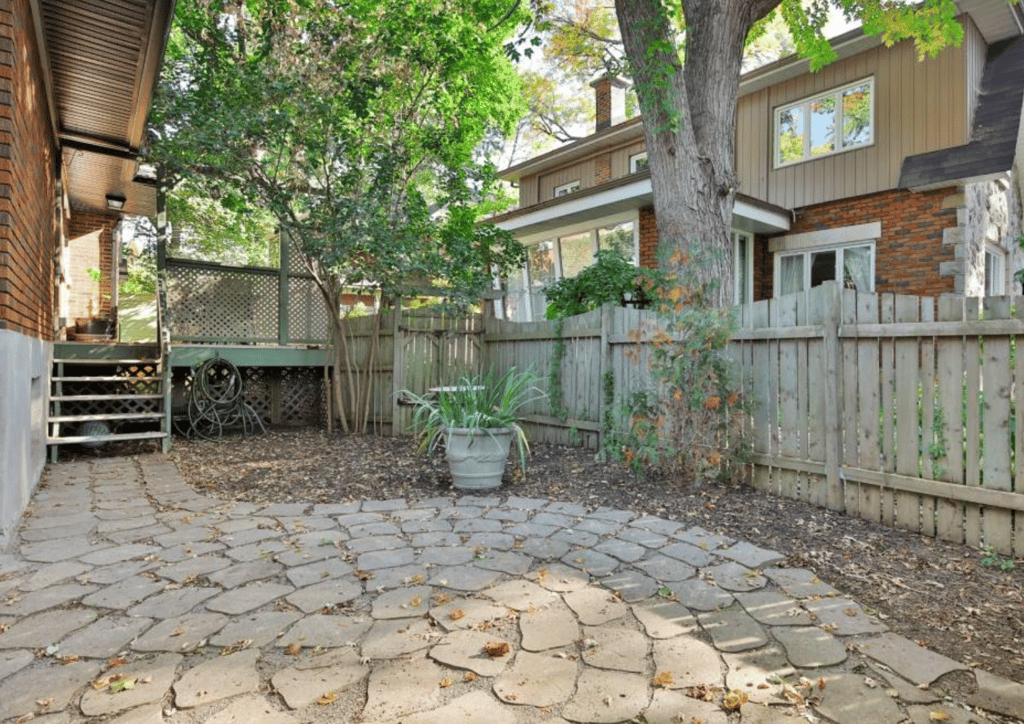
(477, 420)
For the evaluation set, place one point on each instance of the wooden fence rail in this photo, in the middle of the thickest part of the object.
(906, 411)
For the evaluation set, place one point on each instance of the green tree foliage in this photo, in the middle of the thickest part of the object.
(611, 279)
(353, 127)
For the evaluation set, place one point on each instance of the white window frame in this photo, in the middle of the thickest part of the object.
(566, 189)
(808, 251)
(591, 226)
(805, 104)
(999, 277)
(742, 276)
(635, 159)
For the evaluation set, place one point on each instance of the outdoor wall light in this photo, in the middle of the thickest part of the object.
(115, 202)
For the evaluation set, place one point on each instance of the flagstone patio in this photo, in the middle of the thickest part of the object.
(129, 598)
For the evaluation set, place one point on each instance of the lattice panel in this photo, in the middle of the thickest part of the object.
(258, 390)
(307, 315)
(302, 399)
(223, 305)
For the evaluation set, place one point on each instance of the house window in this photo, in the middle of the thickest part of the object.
(995, 271)
(853, 264)
(839, 120)
(638, 162)
(566, 189)
(743, 267)
(565, 256)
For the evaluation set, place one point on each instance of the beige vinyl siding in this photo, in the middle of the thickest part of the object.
(918, 107)
(620, 158)
(528, 191)
(584, 172)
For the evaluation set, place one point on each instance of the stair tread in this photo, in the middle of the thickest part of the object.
(87, 398)
(105, 378)
(105, 361)
(107, 416)
(113, 437)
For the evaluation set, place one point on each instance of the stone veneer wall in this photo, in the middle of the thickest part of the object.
(989, 213)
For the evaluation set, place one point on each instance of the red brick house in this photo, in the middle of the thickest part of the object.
(76, 80)
(893, 174)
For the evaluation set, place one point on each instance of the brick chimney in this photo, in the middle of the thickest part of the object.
(609, 100)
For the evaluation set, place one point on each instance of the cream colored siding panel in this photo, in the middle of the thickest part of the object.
(620, 158)
(916, 110)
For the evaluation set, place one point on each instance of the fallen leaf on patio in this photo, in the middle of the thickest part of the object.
(734, 700)
(236, 647)
(496, 649)
(441, 599)
(104, 682)
(416, 579)
(794, 696)
(542, 574)
(821, 683)
(938, 716)
(178, 632)
(870, 683)
(69, 659)
(664, 679)
(363, 575)
(114, 663)
(45, 703)
(851, 612)
(329, 698)
(469, 677)
(27, 717)
(415, 602)
(293, 649)
(4, 627)
(445, 682)
(607, 701)
(702, 692)
(457, 614)
(124, 684)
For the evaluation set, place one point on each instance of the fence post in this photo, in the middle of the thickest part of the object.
(283, 285)
(834, 378)
(397, 368)
(604, 367)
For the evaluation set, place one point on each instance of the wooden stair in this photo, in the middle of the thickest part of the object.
(119, 389)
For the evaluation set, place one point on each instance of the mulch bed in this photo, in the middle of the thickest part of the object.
(936, 593)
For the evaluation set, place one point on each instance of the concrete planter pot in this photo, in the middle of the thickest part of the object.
(477, 457)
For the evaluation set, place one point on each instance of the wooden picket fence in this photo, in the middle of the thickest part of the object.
(900, 410)
(905, 411)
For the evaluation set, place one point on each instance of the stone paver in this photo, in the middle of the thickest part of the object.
(398, 688)
(615, 647)
(104, 638)
(550, 627)
(908, 659)
(810, 647)
(154, 678)
(299, 687)
(466, 650)
(216, 679)
(248, 710)
(248, 598)
(54, 686)
(473, 707)
(400, 611)
(183, 633)
(733, 629)
(42, 629)
(847, 700)
(537, 680)
(607, 696)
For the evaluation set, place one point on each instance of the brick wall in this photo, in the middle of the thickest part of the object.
(90, 241)
(28, 159)
(648, 237)
(907, 256)
(602, 168)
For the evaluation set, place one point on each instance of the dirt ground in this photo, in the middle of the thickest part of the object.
(939, 594)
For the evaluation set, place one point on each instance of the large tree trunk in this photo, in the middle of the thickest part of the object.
(690, 125)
